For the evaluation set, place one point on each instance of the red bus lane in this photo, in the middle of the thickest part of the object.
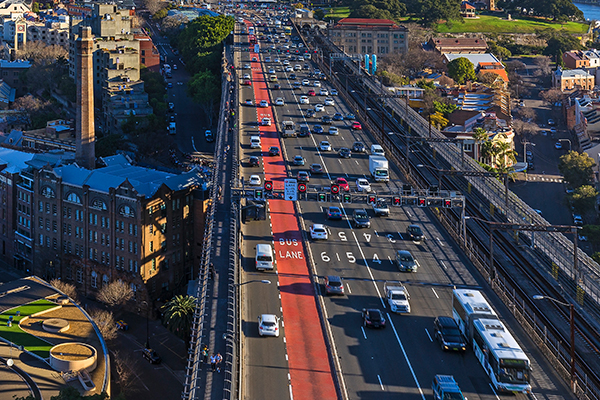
(310, 372)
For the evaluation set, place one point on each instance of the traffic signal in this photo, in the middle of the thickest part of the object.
(258, 193)
(371, 199)
(458, 203)
(447, 203)
(322, 197)
(406, 190)
(302, 187)
(396, 201)
(335, 189)
(422, 202)
(268, 186)
(347, 198)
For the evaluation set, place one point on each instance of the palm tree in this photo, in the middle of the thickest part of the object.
(480, 136)
(179, 315)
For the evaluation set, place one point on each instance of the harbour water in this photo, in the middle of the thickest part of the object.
(591, 12)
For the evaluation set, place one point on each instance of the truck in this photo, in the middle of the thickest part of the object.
(397, 297)
(288, 129)
(172, 128)
(379, 167)
(445, 388)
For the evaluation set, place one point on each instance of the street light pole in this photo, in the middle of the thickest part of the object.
(147, 325)
(572, 326)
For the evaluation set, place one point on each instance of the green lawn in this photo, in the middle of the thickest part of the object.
(488, 23)
(337, 13)
(20, 337)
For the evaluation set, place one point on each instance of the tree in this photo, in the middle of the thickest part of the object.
(444, 108)
(40, 53)
(153, 6)
(527, 114)
(499, 51)
(552, 96)
(160, 14)
(105, 322)
(584, 198)
(388, 9)
(423, 84)
(577, 168)
(172, 23)
(461, 70)
(490, 79)
(559, 43)
(437, 119)
(204, 88)
(544, 64)
(66, 288)
(116, 293)
(370, 11)
(179, 315)
(480, 136)
(124, 367)
(432, 11)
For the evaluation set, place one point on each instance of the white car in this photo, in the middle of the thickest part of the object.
(317, 83)
(319, 107)
(276, 59)
(266, 122)
(263, 104)
(304, 100)
(333, 92)
(254, 180)
(289, 68)
(246, 76)
(329, 101)
(323, 92)
(279, 102)
(286, 62)
(247, 66)
(305, 82)
(318, 232)
(324, 146)
(268, 325)
(363, 185)
(333, 130)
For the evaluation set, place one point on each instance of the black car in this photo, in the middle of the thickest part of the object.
(358, 147)
(292, 76)
(273, 151)
(151, 356)
(310, 113)
(316, 169)
(415, 233)
(345, 152)
(326, 119)
(304, 131)
(253, 161)
(361, 219)
(373, 318)
(276, 86)
(447, 332)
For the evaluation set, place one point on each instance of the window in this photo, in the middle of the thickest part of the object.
(94, 280)
(126, 211)
(73, 198)
(151, 245)
(98, 204)
(79, 275)
(48, 193)
(104, 280)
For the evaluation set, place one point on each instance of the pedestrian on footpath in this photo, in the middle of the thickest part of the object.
(218, 359)
(213, 362)
(205, 354)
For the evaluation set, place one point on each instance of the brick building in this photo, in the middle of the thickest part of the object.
(572, 79)
(369, 36)
(458, 45)
(90, 227)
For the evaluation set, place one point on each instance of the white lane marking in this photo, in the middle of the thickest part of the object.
(376, 234)
(418, 264)
(338, 256)
(390, 258)
(348, 287)
(428, 335)
(443, 265)
(356, 161)
(368, 268)
(380, 384)
(291, 394)
(406, 357)
(434, 292)
(441, 244)
(495, 394)
(363, 331)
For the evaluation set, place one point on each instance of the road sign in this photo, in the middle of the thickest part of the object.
(291, 189)
(335, 189)
(268, 186)
(302, 187)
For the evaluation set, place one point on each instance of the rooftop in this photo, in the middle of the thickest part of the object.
(476, 59)
(367, 23)
(572, 73)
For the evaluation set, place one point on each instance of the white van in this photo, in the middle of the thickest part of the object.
(377, 150)
(264, 257)
(255, 142)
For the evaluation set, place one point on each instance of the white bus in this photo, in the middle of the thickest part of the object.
(501, 356)
(498, 352)
(467, 306)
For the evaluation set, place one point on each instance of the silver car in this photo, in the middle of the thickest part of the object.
(268, 325)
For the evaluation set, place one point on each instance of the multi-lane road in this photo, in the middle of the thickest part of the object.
(399, 360)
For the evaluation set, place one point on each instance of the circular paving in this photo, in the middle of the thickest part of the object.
(55, 325)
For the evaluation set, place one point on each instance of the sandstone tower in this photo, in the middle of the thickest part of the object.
(85, 136)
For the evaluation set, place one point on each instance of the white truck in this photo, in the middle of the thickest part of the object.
(172, 128)
(379, 168)
(288, 129)
(397, 298)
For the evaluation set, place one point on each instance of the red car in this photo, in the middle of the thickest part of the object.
(247, 82)
(343, 184)
(356, 125)
(311, 93)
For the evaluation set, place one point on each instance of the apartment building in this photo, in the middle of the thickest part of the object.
(369, 36)
(444, 45)
(91, 227)
(572, 79)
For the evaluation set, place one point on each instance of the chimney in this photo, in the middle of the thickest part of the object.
(84, 132)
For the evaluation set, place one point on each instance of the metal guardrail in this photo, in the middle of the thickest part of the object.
(191, 388)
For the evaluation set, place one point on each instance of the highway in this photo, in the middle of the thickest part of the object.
(401, 359)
